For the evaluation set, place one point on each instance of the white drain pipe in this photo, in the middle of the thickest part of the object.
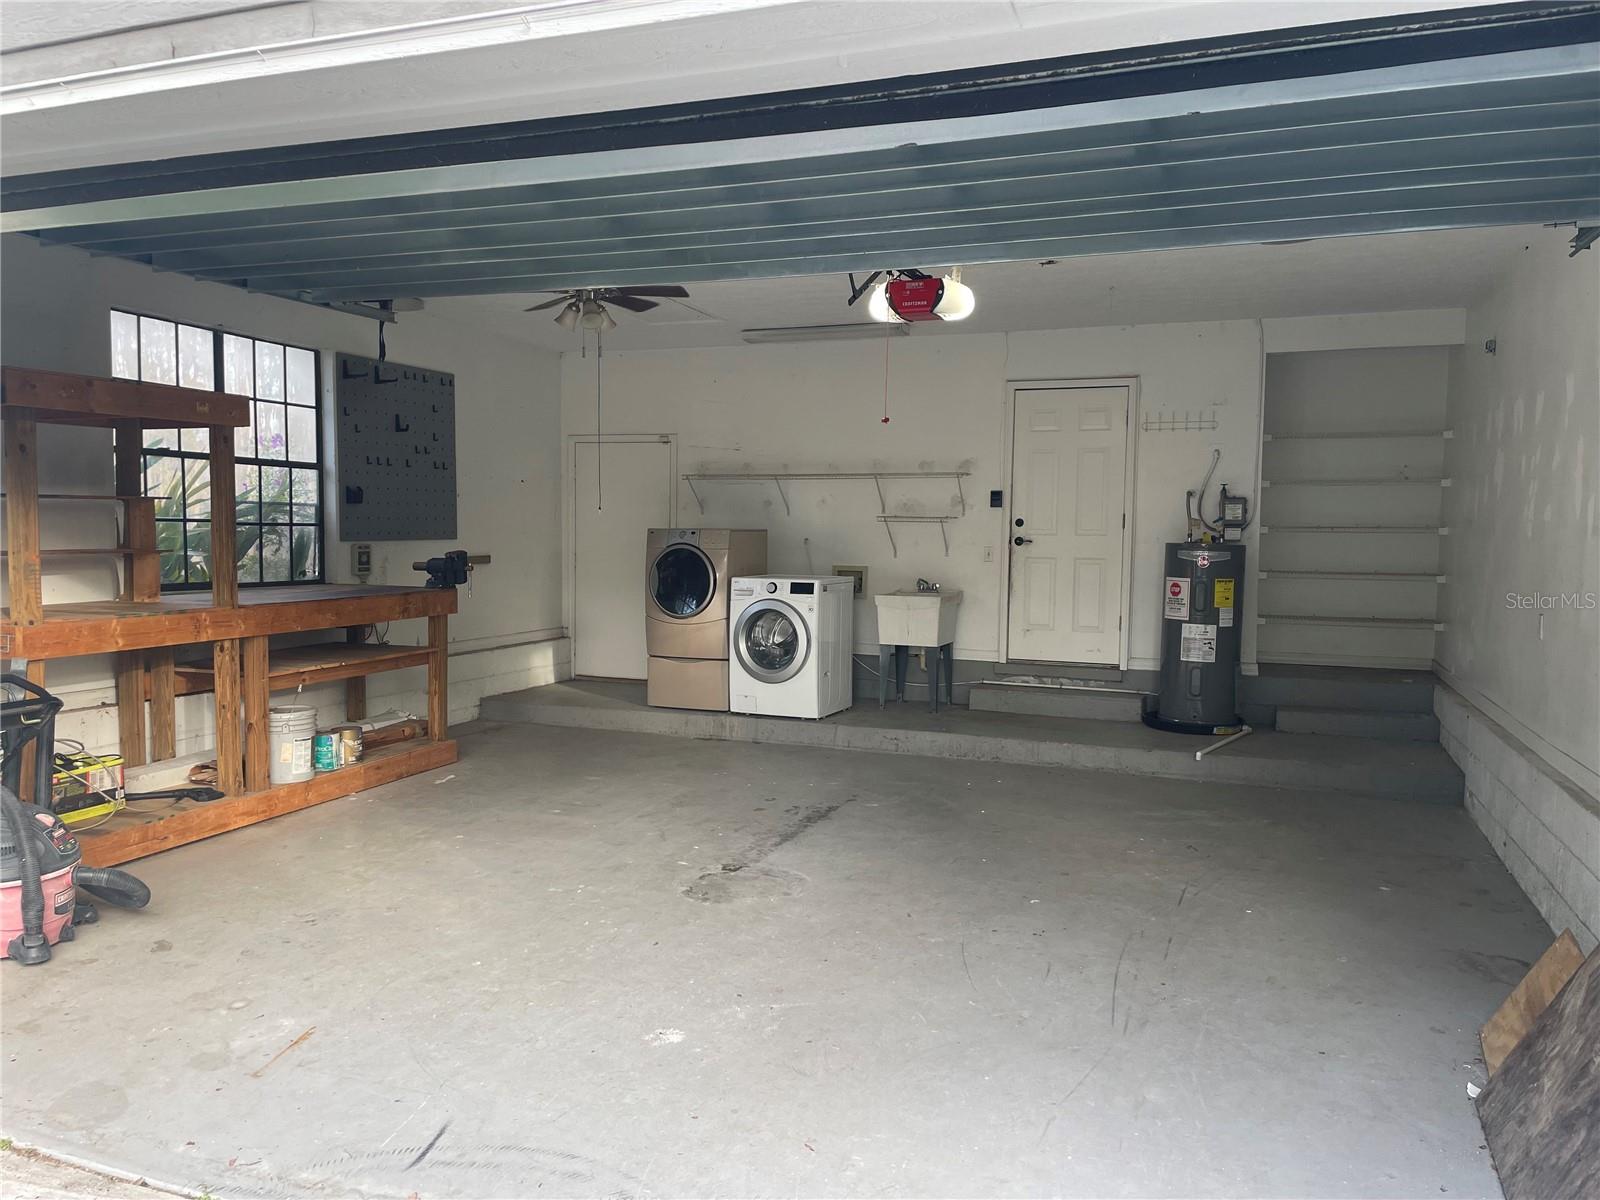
(1245, 731)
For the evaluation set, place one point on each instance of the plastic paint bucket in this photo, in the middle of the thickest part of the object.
(290, 731)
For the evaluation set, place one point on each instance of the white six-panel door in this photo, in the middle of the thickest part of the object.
(1069, 466)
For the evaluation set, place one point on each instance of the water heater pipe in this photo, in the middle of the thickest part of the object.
(1246, 731)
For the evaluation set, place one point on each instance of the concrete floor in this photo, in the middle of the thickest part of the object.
(606, 964)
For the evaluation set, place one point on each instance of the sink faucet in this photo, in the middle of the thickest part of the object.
(924, 586)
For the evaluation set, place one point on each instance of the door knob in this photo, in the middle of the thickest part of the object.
(1021, 541)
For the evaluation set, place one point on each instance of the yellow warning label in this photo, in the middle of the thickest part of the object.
(1222, 593)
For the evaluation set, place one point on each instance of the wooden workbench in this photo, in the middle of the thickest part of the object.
(143, 626)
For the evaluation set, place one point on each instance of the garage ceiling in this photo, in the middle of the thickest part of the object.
(1442, 269)
(1477, 118)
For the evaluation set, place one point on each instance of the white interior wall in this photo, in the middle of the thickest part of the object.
(1526, 463)
(1520, 653)
(507, 633)
(818, 407)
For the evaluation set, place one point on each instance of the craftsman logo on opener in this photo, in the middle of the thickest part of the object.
(1199, 644)
(1177, 598)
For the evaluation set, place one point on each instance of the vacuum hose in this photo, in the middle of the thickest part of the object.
(30, 945)
(113, 886)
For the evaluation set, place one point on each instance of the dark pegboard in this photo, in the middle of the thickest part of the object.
(397, 451)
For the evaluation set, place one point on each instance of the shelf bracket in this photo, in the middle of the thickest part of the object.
(944, 532)
(961, 492)
(782, 495)
(894, 550)
(883, 505)
(699, 503)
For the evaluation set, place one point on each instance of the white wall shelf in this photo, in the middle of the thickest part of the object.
(778, 478)
(1365, 576)
(1356, 622)
(890, 520)
(1437, 530)
(1360, 435)
(1390, 481)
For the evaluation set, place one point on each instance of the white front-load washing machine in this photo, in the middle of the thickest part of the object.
(789, 644)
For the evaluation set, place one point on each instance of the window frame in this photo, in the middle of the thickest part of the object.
(218, 384)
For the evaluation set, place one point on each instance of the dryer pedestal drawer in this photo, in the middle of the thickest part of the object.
(666, 638)
(688, 683)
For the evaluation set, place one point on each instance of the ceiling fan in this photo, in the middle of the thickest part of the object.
(587, 306)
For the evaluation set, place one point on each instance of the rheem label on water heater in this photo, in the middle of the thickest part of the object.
(1177, 598)
(1199, 644)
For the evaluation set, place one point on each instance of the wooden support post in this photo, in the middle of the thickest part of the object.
(142, 580)
(257, 757)
(224, 557)
(438, 678)
(129, 457)
(163, 704)
(355, 688)
(22, 521)
(230, 754)
(130, 707)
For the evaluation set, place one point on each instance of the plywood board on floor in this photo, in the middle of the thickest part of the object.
(1541, 1113)
(1513, 1019)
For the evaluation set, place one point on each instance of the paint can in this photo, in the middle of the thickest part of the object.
(325, 755)
(349, 744)
(291, 730)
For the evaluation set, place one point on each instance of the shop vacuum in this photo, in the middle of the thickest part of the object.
(43, 884)
(1201, 611)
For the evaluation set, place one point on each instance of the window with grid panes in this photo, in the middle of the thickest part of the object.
(278, 455)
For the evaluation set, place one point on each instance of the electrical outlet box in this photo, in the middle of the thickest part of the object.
(361, 560)
(859, 574)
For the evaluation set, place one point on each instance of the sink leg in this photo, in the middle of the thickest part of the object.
(902, 659)
(884, 654)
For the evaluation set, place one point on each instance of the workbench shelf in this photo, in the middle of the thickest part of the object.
(142, 627)
(130, 834)
(303, 666)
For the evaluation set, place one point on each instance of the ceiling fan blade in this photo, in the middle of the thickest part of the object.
(664, 289)
(633, 303)
(564, 298)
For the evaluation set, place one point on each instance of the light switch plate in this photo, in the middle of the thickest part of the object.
(361, 560)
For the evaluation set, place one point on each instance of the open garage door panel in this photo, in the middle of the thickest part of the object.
(1482, 117)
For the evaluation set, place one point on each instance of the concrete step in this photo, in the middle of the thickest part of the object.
(1352, 722)
(1084, 703)
(1297, 762)
(1354, 688)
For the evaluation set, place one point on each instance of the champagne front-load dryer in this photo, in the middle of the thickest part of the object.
(688, 574)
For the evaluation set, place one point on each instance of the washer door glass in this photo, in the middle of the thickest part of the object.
(771, 643)
(682, 581)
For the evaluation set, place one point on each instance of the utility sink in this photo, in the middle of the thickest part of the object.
(912, 618)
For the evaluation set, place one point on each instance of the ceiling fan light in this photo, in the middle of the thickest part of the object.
(596, 318)
(567, 318)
